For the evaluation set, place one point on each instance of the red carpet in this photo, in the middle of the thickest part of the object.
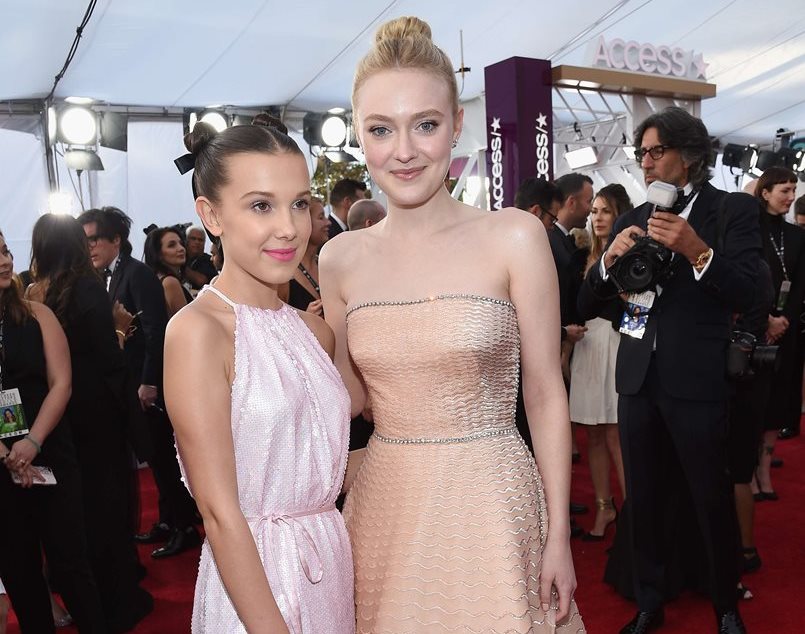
(776, 607)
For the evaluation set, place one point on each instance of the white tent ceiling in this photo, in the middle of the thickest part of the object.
(194, 53)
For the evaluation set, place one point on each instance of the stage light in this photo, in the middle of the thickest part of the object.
(83, 160)
(793, 159)
(79, 101)
(767, 159)
(749, 159)
(582, 157)
(334, 131)
(732, 155)
(216, 119)
(324, 130)
(60, 203)
(78, 126)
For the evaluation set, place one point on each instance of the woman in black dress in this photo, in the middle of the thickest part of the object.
(35, 359)
(302, 291)
(165, 255)
(784, 251)
(70, 286)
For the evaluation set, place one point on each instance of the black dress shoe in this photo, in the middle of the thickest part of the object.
(731, 623)
(787, 432)
(751, 560)
(575, 529)
(644, 622)
(776, 463)
(180, 540)
(159, 532)
(578, 509)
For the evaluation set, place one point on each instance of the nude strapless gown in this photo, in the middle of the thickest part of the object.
(447, 514)
(290, 430)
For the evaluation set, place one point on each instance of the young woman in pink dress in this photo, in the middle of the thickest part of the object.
(260, 413)
(454, 529)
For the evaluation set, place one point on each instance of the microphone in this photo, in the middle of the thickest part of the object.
(662, 196)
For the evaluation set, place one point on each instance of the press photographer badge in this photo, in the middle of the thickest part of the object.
(12, 416)
(635, 317)
(782, 298)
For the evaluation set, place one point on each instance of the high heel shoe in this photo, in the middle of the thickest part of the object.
(602, 505)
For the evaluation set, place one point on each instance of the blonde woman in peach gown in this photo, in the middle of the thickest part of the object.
(453, 527)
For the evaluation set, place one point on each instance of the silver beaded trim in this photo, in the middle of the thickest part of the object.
(485, 433)
(483, 298)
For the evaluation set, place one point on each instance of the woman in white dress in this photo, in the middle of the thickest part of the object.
(593, 400)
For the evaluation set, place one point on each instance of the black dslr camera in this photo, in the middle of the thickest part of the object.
(746, 357)
(648, 262)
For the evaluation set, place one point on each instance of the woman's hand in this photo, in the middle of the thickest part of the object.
(21, 456)
(315, 307)
(557, 579)
(122, 317)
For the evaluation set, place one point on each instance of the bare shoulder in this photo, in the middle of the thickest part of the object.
(515, 227)
(320, 330)
(41, 312)
(200, 320)
(340, 250)
(171, 283)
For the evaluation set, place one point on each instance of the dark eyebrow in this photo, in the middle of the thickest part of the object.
(270, 195)
(417, 115)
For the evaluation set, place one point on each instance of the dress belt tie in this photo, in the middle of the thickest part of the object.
(308, 553)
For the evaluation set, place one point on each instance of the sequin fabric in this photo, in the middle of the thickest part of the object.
(447, 531)
(290, 426)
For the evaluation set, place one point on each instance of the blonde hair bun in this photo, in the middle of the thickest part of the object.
(402, 28)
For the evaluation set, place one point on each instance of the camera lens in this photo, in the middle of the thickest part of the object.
(639, 272)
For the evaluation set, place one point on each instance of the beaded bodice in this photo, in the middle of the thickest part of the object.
(438, 368)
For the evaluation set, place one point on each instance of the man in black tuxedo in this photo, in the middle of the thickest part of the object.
(344, 193)
(137, 288)
(672, 382)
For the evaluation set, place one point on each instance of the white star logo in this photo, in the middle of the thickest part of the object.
(542, 121)
(496, 123)
(700, 66)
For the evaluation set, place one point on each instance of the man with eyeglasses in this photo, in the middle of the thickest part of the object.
(672, 384)
(137, 288)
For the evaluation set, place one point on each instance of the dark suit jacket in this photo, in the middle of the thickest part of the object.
(136, 286)
(569, 261)
(334, 229)
(690, 320)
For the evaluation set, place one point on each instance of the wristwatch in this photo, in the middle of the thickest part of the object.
(702, 260)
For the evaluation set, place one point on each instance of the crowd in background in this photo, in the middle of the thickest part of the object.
(89, 368)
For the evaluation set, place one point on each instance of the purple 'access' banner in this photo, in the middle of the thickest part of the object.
(519, 126)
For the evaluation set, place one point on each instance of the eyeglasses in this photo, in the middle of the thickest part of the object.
(93, 240)
(656, 152)
(545, 212)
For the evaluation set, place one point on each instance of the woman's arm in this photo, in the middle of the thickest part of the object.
(534, 291)
(59, 377)
(174, 296)
(202, 422)
(331, 273)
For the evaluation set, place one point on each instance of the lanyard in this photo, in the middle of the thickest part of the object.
(780, 251)
(310, 279)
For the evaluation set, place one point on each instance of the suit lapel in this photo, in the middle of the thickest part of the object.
(116, 276)
(702, 209)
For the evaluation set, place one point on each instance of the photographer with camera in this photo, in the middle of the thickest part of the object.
(671, 366)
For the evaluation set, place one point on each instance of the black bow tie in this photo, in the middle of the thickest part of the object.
(107, 273)
(681, 201)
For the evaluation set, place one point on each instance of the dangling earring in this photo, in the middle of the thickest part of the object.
(455, 142)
